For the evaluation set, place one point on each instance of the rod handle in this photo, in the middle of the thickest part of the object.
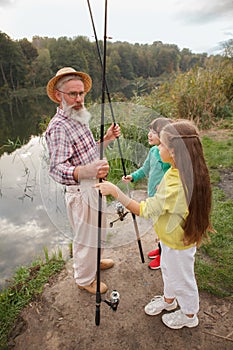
(97, 315)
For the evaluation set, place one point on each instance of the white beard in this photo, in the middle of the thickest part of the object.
(82, 115)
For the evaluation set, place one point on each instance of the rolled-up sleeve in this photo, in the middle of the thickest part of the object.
(60, 153)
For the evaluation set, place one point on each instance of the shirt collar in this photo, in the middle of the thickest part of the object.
(61, 113)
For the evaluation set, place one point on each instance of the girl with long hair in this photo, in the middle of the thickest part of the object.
(180, 211)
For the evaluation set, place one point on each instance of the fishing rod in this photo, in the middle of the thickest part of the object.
(105, 87)
(115, 296)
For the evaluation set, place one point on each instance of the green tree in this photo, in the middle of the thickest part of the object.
(168, 59)
(126, 65)
(13, 67)
(40, 69)
(29, 51)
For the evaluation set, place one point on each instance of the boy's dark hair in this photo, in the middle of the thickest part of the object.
(158, 123)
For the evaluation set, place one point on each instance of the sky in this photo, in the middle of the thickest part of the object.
(199, 25)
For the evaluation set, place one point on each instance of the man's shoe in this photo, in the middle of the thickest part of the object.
(158, 304)
(153, 253)
(106, 264)
(178, 319)
(92, 287)
(155, 264)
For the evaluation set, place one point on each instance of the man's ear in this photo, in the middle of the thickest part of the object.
(58, 95)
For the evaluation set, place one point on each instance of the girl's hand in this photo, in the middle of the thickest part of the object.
(107, 188)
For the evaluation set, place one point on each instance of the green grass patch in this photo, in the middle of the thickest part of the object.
(27, 284)
(214, 263)
(219, 153)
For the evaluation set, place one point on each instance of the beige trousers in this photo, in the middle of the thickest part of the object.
(82, 208)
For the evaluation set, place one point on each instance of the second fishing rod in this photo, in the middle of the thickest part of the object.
(114, 121)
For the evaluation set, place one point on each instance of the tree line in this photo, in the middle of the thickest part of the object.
(25, 64)
(181, 82)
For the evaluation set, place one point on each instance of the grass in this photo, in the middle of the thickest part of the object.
(219, 156)
(27, 285)
(218, 153)
(214, 263)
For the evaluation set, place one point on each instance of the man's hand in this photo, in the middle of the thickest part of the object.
(98, 169)
(112, 133)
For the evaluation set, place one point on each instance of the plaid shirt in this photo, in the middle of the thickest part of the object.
(69, 144)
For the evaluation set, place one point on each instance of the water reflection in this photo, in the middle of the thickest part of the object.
(25, 226)
(20, 118)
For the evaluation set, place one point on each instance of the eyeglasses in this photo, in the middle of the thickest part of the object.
(73, 94)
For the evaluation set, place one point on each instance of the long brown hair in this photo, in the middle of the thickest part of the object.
(182, 139)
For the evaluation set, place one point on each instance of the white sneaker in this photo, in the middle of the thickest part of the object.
(158, 304)
(178, 319)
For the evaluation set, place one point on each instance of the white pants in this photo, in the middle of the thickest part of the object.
(177, 268)
(82, 207)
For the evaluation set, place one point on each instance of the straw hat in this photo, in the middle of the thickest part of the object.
(86, 79)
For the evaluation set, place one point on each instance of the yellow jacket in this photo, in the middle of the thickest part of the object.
(168, 210)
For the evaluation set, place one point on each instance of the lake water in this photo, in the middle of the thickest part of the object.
(28, 221)
(26, 225)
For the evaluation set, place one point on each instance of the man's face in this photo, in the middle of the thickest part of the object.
(71, 96)
(72, 92)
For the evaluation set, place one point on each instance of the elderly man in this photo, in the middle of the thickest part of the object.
(75, 162)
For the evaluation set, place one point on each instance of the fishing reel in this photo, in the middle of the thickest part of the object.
(114, 300)
(120, 210)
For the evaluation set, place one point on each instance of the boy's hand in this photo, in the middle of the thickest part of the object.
(127, 178)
